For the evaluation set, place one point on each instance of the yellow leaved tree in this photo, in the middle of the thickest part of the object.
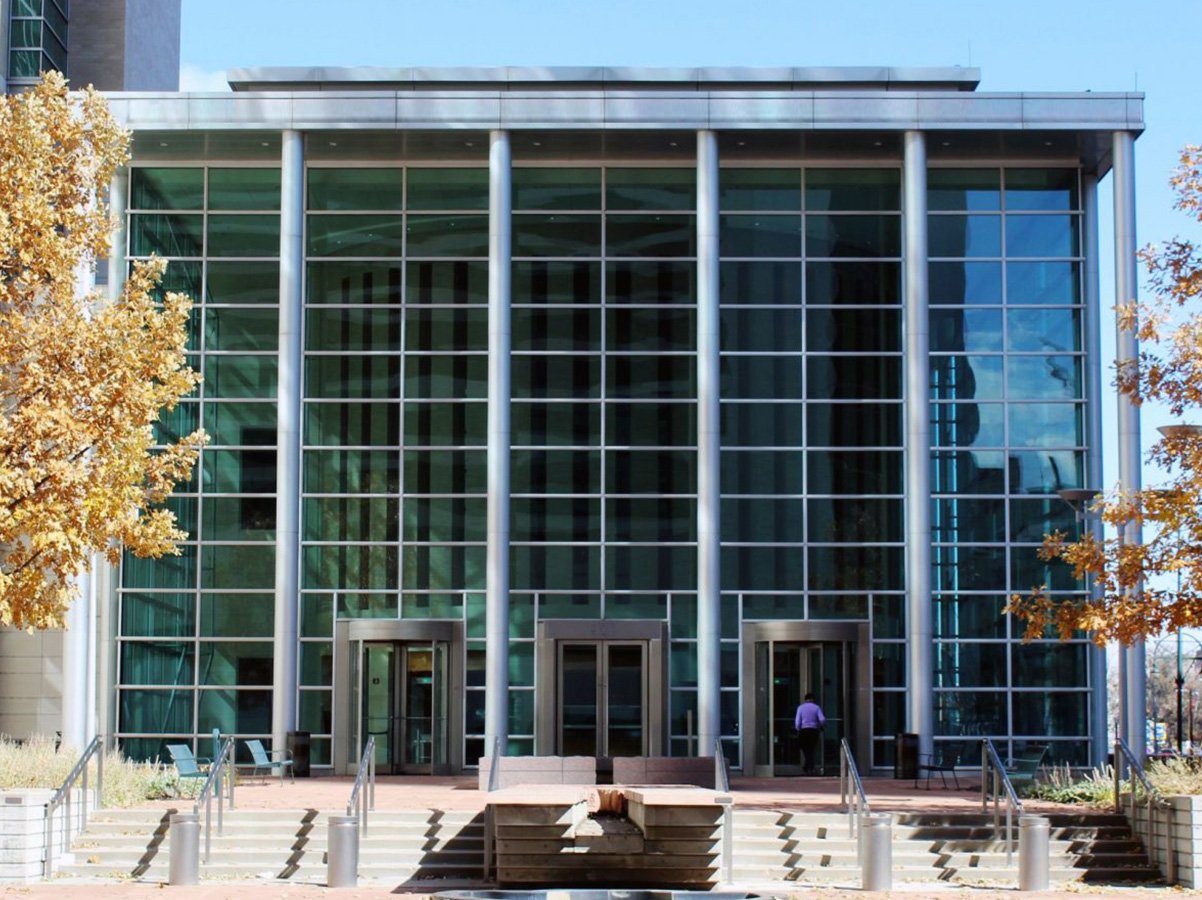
(1137, 583)
(82, 379)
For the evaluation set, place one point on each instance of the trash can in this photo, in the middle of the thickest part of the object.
(905, 756)
(298, 743)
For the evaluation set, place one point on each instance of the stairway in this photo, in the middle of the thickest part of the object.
(814, 848)
(412, 847)
(444, 848)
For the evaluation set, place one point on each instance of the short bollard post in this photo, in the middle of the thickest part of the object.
(876, 852)
(1034, 834)
(185, 849)
(342, 852)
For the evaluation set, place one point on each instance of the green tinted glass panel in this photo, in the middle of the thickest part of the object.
(554, 328)
(441, 424)
(650, 520)
(181, 277)
(555, 568)
(239, 519)
(177, 423)
(249, 235)
(237, 615)
(445, 472)
(761, 283)
(659, 330)
(642, 282)
(854, 425)
(231, 567)
(854, 377)
(556, 424)
(433, 377)
(762, 472)
(243, 282)
(762, 424)
(556, 282)
(651, 471)
(760, 330)
(853, 236)
(651, 424)
(165, 235)
(556, 188)
(853, 331)
(316, 663)
(144, 662)
(371, 424)
(759, 189)
(557, 234)
(364, 568)
(856, 190)
(766, 377)
(763, 520)
(864, 568)
(443, 568)
(25, 33)
(351, 472)
(858, 282)
(24, 63)
(446, 329)
(165, 573)
(367, 606)
(861, 520)
(457, 281)
(239, 377)
(447, 189)
(316, 712)
(352, 376)
(352, 329)
(353, 282)
(763, 236)
(566, 377)
(156, 712)
(969, 616)
(350, 519)
(335, 189)
(234, 712)
(166, 188)
(1043, 189)
(244, 188)
(157, 614)
(650, 235)
(256, 330)
(653, 189)
(1049, 665)
(762, 568)
(651, 377)
(317, 615)
(446, 235)
(444, 519)
(240, 423)
(963, 189)
(555, 519)
(364, 235)
(236, 662)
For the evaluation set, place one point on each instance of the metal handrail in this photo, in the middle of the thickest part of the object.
(851, 789)
(721, 777)
(366, 774)
(63, 796)
(1155, 800)
(221, 768)
(1001, 785)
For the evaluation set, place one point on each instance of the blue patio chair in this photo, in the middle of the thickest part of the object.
(187, 765)
(266, 761)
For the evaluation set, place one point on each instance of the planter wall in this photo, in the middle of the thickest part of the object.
(1181, 824)
(23, 833)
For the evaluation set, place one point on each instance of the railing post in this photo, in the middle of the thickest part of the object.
(1118, 775)
(100, 772)
(984, 777)
(48, 867)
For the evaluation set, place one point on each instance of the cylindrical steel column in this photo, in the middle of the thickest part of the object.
(709, 596)
(876, 852)
(1126, 291)
(75, 667)
(919, 630)
(342, 851)
(288, 437)
(1099, 745)
(1034, 836)
(184, 859)
(496, 619)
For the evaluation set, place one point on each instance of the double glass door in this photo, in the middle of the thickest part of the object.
(785, 672)
(602, 698)
(404, 697)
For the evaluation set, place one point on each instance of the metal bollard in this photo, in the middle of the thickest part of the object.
(1034, 835)
(876, 852)
(185, 849)
(342, 852)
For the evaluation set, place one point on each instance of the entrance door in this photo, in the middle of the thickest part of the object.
(602, 698)
(404, 705)
(785, 672)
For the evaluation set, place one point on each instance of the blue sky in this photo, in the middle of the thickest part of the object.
(1020, 45)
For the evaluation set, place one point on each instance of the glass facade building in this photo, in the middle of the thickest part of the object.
(661, 371)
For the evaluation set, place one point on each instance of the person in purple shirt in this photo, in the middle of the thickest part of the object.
(808, 722)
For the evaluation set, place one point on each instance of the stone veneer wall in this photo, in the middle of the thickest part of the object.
(31, 683)
(1183, 826)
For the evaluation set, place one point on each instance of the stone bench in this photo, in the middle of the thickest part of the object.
(692, 770)
(521, 770)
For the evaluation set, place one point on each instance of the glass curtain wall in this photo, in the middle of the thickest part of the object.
(37, 38)
(811, 407)
(195, 642)
(604, 414)
(395, 391)
(1008, 423)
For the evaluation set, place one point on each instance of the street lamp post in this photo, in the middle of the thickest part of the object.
(1180, 432)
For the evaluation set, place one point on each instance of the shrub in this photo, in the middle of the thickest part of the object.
(1176, 776)
(1092, 788)
(37, 763)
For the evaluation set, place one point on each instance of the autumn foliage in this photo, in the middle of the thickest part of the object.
(82, 379)
(1137, 582)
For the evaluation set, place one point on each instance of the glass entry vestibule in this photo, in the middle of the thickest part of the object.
(784, 661)
(400, 682)
(601, 688)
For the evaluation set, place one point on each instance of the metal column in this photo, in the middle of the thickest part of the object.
(288, 436)
(1126, 290)
(709, 596)
(919, 629)
(1099, 745)
(496, 623)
